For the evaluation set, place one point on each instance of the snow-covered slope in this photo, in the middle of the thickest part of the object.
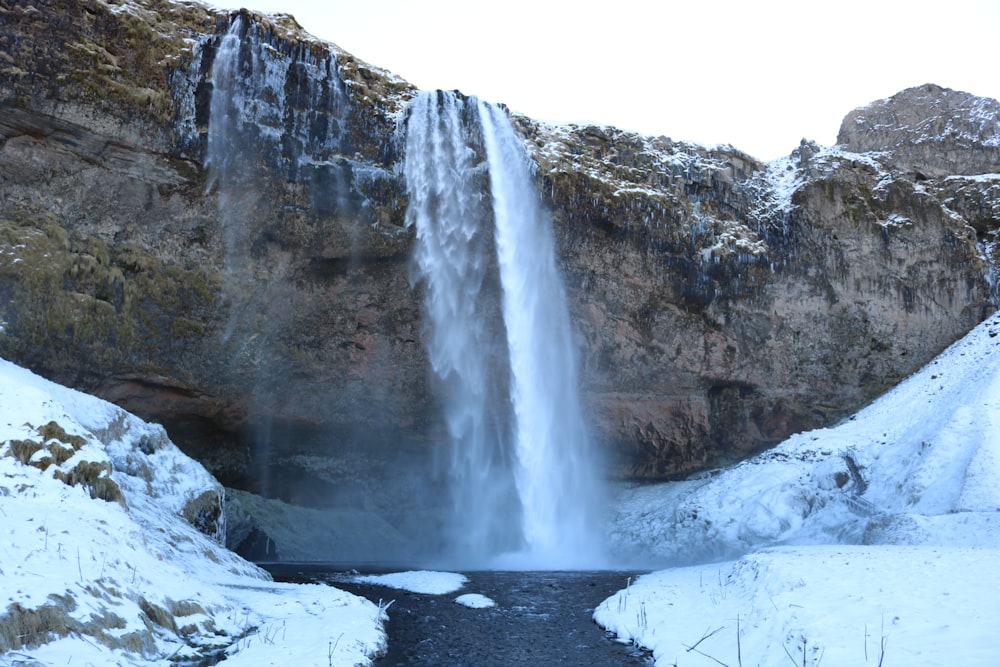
(876, 538)
(101, 563)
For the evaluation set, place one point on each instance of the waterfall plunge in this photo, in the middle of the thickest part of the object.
(522, 471)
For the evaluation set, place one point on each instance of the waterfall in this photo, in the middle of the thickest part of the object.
(557, 476)
(276, 112)
(231, 153)
(521, 469)
(272, 103)
(445, 176)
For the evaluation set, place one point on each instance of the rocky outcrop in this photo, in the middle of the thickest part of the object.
(929, 131)
(260, 305)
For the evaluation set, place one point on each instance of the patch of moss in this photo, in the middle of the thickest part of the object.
(116, 61)
(71, 302)
(205, 513)
(24, 628)
(186, 608)
(57, 445)
(182, 326)
(59, 453)
(21, 627)
(155, 615)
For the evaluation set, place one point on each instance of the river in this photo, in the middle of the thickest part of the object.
(540, 618)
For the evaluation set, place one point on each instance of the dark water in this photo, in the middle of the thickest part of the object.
(541, 618)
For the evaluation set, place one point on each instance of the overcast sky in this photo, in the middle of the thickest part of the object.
(760, 75)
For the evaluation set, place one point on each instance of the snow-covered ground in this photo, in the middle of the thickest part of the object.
(874, 542)
(100, 562)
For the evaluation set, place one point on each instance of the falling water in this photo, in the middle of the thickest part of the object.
(226, 160)
(557, 475)
(276, 110)
(272, 103)
(522, 470)
(446, 178)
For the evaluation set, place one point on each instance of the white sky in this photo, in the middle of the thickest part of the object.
(759, 74)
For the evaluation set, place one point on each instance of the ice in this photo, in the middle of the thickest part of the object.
(475, 601)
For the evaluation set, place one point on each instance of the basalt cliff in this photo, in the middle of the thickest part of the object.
(259, 303)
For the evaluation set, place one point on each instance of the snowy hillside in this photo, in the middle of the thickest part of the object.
(878, 538)
(101, 563)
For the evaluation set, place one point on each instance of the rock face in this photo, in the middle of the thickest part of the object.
(930, 132)
(725, 304)
(258, 302)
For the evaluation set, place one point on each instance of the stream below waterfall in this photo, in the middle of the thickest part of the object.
(540, 618)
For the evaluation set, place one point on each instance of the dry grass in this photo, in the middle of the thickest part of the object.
(95, 476)
(27, 628)
(23, 450)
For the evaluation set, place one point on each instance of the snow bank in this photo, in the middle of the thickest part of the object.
(830, 605)
(426, 582)
(879, 535)
(925, 454)
(102, 563)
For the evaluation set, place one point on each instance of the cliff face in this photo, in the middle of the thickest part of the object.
(258, 301)
(198, 294)
(725, 303)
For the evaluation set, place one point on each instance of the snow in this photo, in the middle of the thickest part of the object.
(784, 178)
(426, 582)
(475, 601)
(976, 178)
(838, 604)
(879, 534)
(127, 581)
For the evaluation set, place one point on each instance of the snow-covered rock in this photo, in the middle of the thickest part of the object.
(111, 550)
(930, 130)
(928, 452)
(877, 538)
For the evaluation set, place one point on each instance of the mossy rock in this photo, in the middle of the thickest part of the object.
(72, 302)
(21, 627)
(205, 513)
(155, 615)
(53, 431)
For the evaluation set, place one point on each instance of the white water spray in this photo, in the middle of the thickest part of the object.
(445, 179)
(522, 470)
